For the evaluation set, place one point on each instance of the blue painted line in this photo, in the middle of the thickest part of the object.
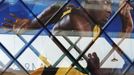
(31, 47)
(11, 58)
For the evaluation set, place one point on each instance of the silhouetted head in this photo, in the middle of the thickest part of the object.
(99, 10)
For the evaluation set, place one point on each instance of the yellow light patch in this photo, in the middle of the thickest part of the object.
(73, 71)
(96, 31)
(44, 59)
(66, 12)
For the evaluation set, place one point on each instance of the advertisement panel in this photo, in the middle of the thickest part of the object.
(104, 24)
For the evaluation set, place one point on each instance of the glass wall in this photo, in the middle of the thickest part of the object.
(57, 37)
